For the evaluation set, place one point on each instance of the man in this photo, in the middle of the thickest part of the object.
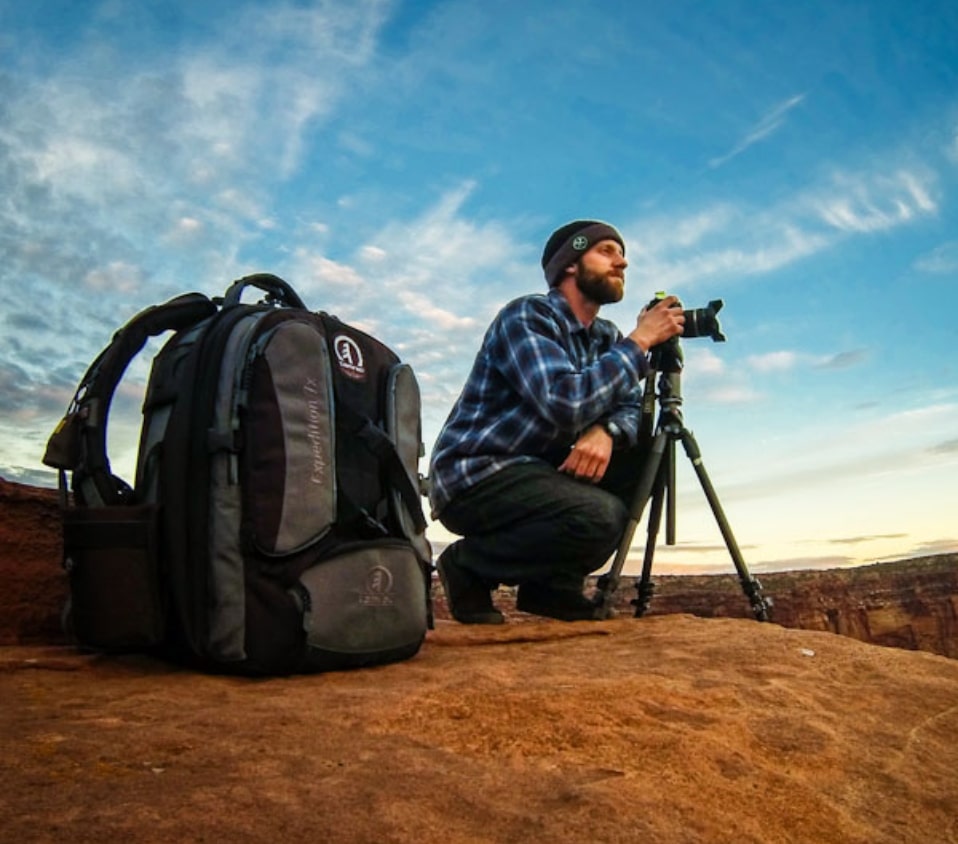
(537, 462)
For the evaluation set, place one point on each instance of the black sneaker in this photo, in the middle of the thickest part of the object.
(467, 595)
(563, 604)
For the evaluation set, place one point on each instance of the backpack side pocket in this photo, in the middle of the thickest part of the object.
(111, 559)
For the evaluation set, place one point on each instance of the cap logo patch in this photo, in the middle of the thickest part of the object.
(580, 242)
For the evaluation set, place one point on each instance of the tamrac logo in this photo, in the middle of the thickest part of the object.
(349, 357)
(314, 431)
(378, 588)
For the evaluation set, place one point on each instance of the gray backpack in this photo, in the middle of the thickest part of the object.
(274, 525)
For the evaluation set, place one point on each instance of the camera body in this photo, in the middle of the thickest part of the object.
(699, 322)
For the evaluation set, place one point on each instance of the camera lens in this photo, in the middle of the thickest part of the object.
(703, 322)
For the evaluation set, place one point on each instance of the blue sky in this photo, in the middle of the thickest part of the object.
(402, 163)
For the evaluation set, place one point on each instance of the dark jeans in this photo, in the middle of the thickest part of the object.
(529, 523)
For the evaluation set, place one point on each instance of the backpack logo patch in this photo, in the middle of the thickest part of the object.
(378, 588)
(349, 357)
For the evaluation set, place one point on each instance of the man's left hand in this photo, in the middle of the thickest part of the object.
(590, 456)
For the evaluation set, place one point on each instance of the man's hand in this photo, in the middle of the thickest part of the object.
(590, 456)
(658, 323)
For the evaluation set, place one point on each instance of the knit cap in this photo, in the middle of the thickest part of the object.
(566, 244)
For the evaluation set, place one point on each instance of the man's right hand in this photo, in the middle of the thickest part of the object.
(658, 323)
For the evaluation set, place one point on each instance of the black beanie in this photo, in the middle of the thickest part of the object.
(565, 245)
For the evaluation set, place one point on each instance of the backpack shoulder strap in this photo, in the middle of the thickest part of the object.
(78, 443)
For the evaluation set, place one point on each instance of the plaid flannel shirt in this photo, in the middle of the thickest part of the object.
(540, 379)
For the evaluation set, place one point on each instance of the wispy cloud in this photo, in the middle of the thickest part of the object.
(704, 362)
(765, 128)
(773, 361)
(731, 394)
(874, 447)
(424, 307)
(857, 540)
(115, 276)
(100, 156)
(946, 447)
(864, 204)
(942, 260)
(713, 382)
(738, 241)
(937, 546)
(843, 360)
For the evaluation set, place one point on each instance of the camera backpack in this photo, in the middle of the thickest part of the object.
(275, 524)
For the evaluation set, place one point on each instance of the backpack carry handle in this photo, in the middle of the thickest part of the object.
(278, 291)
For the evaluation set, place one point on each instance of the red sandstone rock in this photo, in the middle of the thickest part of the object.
(668, 729)
(32, 582)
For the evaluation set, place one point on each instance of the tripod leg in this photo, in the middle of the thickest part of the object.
(663, 488)
(761, 605)
(609, 582)
(670, 500)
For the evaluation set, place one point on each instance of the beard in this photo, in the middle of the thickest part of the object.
(602, 288)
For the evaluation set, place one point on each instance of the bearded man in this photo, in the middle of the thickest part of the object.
(537, 463)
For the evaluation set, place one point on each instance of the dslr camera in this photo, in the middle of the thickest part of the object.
(699, 322)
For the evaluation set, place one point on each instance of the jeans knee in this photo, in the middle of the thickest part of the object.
(612, 515)
(600, 519)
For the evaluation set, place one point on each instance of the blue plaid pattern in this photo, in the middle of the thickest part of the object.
(540, 379)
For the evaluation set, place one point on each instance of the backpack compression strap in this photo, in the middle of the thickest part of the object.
(79, 441)
(379, 444)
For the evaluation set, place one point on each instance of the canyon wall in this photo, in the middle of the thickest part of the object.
(911, 604)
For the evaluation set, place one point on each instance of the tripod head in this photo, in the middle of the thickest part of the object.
(667, 357)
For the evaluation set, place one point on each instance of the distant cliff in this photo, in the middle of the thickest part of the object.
(912, 604)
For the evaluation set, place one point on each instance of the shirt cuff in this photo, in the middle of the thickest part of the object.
(633, 357)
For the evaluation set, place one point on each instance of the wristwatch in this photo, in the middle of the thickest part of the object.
(613, 430)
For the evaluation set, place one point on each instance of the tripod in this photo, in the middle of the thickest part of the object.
(657, 483)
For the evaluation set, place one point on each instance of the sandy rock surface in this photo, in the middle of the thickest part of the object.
(661, 729)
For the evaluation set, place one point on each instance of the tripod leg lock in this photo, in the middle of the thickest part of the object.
(604, 597)
(646, 589)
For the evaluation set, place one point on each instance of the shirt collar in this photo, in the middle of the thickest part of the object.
(561, 304)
